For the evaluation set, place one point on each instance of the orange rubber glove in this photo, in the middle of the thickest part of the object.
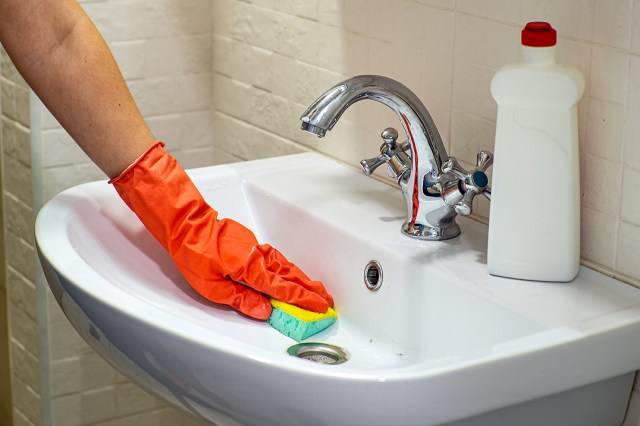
(221, 259)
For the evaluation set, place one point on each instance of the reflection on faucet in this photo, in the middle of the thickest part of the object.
(433, 184)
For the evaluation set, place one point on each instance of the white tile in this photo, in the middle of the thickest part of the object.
(605, 126)
(575, 53)
(130, 58)
(609, 73)
(197, 157)
(59, 149)
(499, 10)
(471, 91)
(387, 58)
(572, 18)
(469, 135)
(331, 12)
(439, 37)
(485, 43)
(612, 25)
(189, 55)
(383, 21)
(600, 184)
(249, 142)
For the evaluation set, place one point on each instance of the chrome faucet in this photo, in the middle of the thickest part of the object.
(435, 187)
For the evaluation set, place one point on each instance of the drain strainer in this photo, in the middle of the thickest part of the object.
(319, 352)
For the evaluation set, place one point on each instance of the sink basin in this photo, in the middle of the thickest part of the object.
(440, 340)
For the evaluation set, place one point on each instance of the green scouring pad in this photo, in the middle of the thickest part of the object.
(299, 323)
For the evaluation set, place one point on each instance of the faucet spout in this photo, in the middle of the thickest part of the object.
(428, 215)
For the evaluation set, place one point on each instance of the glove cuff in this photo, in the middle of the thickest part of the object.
(135, 163)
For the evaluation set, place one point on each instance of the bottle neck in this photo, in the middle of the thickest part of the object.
(540, 56)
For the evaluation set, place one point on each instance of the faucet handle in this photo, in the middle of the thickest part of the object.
(391, 154)
(459, 193)
(389, 136)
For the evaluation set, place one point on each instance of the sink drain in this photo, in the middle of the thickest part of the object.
(319, 352)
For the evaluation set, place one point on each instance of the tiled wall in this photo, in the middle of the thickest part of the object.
(273, 58)
(24, 340)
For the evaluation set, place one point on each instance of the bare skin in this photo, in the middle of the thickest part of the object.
(62, 56)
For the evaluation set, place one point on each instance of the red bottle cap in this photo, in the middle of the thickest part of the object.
(538, 34)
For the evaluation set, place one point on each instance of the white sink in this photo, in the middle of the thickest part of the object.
(440, 341)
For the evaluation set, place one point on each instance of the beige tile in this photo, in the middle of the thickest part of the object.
(24, 330)
(26, 400)
(635, 27)
(633, 88)
(444, 4)
(633, 414)
(598, 237)
(99, 405)
(131, 399)
(630, 211)
(67, 410)
(65, 342)
(632, 138)
(627, 250)
(25, 366)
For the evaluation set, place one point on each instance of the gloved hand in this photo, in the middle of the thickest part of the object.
(221, 259)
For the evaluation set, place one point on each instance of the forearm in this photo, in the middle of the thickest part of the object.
(64, 59)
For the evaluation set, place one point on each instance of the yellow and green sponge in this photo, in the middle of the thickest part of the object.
(299, 323)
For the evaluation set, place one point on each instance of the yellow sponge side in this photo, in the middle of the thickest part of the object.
(303, 314)
(299, 323)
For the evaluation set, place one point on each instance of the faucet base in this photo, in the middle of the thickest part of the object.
(431, 233)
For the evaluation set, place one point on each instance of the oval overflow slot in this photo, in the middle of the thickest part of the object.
(373, 275)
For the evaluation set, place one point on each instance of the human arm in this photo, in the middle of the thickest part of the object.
(61, 55)
(59, 52)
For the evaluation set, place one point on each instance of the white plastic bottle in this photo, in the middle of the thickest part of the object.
(534, 224)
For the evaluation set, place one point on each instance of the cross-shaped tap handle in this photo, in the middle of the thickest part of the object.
(459, 193)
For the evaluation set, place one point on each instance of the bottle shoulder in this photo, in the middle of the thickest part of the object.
(557, 84)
